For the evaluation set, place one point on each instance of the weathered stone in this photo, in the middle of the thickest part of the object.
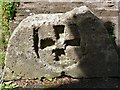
(46, 45)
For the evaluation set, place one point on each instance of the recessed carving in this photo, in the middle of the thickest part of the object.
(46, 42)
(73, 42)
(36, 41)
(59, 29)
(58, 52)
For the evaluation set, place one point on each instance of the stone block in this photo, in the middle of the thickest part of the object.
(46, 45)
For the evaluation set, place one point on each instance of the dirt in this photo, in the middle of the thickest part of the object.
(45, 83)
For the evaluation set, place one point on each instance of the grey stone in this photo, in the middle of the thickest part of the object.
(46, 45)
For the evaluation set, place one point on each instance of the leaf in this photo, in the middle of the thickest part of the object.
(8, 83)
(50, 79)
(7, 87)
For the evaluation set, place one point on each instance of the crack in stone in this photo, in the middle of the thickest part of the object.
(36, 41)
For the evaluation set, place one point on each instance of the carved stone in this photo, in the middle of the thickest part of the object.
(75, 43)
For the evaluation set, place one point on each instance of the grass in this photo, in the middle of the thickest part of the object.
(4, 32)
(1, 51)
(7, 12)
(8, 85)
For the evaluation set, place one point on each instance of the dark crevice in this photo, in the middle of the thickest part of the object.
(36, 41)
(46, 42)
(12, 71)
(59, 29)
(42, 78)
(56, 58)
(73, 42)
(58, 52)
(63, 73)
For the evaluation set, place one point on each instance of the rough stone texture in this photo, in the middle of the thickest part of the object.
(107, 10)
(46, 45)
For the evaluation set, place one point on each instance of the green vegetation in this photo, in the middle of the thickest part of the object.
(7, 12)
(8, 85)
(10, 9)
(4, 32)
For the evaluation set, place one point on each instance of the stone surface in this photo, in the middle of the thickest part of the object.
(101, 9)
(75, 43)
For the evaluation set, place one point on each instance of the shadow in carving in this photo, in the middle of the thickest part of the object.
(73, 42)
(46, 42)
(36, 41)
(59, 29)
(58, 52)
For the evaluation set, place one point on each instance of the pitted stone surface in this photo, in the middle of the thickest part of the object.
(46, 45)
